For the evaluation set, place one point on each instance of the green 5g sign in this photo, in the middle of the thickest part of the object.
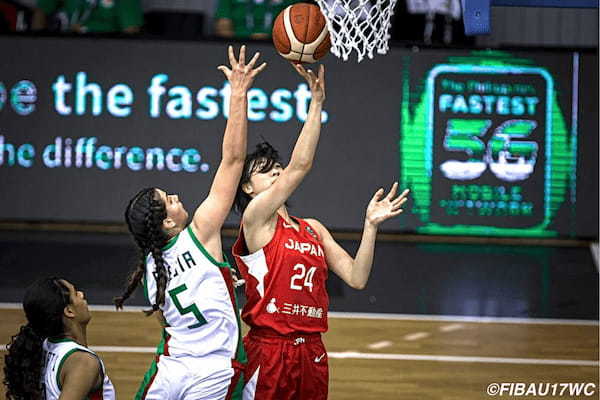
(508, 158)
(485, 150)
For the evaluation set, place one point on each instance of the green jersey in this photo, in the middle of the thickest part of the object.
(97, 16)
(251, 16)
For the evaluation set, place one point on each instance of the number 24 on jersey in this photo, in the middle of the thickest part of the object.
(302, 278)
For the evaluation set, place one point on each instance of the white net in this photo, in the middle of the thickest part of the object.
(361, 25)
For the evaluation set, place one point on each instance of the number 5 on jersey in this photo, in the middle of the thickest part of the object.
(302, 274)
(186, 310)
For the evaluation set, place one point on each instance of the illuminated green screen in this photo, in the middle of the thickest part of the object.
(485, 147)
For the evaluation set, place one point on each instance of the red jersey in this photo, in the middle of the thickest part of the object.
(285, 280)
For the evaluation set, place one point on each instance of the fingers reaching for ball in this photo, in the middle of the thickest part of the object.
(316, 82)
(322, 76)
(241, 75)
(231, 56)
(242, 55)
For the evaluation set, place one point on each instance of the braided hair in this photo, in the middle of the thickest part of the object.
(144, 216)
(262, 160)
(44, 304)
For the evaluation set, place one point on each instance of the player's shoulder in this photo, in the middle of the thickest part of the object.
(80, 365)
(317, 225)
(84, 359)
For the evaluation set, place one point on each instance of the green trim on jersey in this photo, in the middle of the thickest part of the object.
(152, 371)
(171, 242)
(160, 349)
(148, 377)
(67, 354)
(238, 391)
(145, 284)
(240, 353)
(203, 250)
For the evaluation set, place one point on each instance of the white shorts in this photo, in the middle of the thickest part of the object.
(187, 378)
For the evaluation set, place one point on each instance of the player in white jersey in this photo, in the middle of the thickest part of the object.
(58, 352)
(185, 275)
(49, 359)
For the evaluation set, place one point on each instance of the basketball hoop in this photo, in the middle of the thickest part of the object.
(360, 25)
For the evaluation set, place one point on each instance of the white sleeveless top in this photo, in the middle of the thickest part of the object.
(200, 306)
(55, 354)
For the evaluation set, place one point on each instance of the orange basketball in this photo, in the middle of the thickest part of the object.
(300, 33)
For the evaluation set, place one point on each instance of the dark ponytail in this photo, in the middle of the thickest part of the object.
(44, 304)
(144, 216)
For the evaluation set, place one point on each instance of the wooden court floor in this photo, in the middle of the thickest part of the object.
(386, 358)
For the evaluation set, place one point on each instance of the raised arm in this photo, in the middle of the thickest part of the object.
(355, 271)
(264, 206)
(211, 214)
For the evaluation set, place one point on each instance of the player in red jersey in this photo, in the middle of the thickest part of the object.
(285, 261)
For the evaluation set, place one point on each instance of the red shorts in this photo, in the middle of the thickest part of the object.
(290, 367)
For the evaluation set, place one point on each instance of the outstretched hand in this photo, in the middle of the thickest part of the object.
(381, 209)
(241, 75)
(316, 83)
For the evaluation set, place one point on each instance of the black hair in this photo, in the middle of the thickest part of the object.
(44, 303)
(262, 160)
(144, 216)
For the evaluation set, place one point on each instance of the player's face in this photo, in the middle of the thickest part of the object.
(174, 207)
(261, 181)
(78, 303)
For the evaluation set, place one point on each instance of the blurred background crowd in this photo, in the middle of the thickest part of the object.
(206, 19)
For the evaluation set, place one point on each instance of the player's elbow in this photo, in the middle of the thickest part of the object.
(358, 285)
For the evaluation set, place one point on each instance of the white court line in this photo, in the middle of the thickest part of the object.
(387, 316)
(451, 327)
(124, 349)
(18, 306)
(416, 336)
(379, 345)
(489, 360)
(399, 357)
(460, 318)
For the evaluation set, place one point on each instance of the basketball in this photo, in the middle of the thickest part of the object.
(300, 33)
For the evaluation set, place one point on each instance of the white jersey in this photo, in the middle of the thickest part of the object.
(200, 307)
(55, 354)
